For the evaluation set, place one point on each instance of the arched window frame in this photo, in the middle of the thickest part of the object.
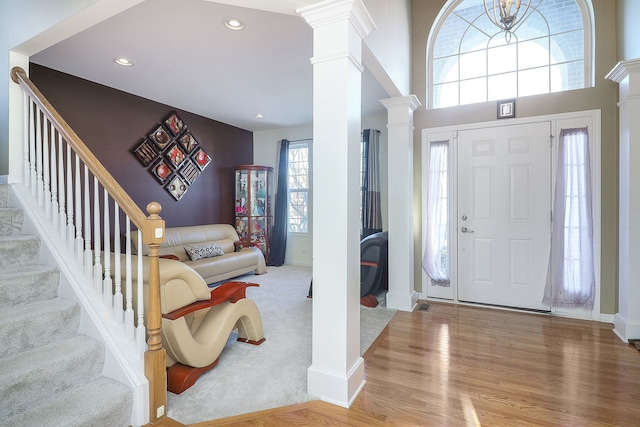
(586, 10)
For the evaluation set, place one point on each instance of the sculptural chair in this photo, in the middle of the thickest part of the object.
(197, 320)
(195, 335)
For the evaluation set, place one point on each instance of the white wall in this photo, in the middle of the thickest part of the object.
(628, 30)
(390, 42)
(265, 153)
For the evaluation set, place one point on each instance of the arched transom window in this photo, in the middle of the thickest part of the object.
(471, 60)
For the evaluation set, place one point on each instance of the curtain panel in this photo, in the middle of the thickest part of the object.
(370, 185)
(278, 247)
(436, 257)
(570, 276)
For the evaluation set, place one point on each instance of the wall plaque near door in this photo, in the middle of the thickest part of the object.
(172, 155)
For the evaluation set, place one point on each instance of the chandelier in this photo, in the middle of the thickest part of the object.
(504, 14)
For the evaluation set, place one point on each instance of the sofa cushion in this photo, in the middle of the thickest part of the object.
(207, 250)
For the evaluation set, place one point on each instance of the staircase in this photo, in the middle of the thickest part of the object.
(50, 374)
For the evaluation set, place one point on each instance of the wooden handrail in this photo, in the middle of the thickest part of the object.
(19, 76)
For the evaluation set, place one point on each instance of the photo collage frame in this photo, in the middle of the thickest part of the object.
(172, 155)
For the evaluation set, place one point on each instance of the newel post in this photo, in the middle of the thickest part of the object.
(155, 356)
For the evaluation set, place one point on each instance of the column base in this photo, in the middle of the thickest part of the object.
(402, 301)
(624, 329)
(336, 389)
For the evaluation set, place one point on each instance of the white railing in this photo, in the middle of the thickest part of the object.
(85, 210)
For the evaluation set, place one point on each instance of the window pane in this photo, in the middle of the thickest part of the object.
(298, 167)
(534, 53)
(449, 36)
(567, 47)
(502, 59)
(533, 82)
(445, 69)
(473, 39)
(567, 76)
(445, 95)
(562, 15)
(503, 86)
(472, 91)
(298, 212)
(473, 64)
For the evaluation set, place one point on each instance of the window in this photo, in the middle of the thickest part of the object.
(298, 187)
(472, 61)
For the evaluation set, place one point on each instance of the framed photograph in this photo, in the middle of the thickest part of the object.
(175, 155)
(177, 186)
(161, 170)
(189, 171)
(201, 158)
(188, 142)
(175, 124)
(507, 109)
(145, 152)
(160, 136)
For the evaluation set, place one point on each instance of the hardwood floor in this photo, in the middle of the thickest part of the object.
(459, 365)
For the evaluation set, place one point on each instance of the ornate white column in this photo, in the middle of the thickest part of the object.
(627, 319)
(401, 295)
(337, 371)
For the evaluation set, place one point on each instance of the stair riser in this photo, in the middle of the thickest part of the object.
(20, 251)
(11, 221)
(37, 325)
(25, 287)
(54, 374)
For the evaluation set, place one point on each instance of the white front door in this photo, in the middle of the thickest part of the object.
(504, 214)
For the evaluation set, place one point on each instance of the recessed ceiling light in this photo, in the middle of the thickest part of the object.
(259, 116)
(124, 62)
(234, 23)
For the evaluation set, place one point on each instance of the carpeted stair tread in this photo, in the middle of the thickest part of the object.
(19, 249)
(27, 326)
(103, 402)
(11, 220)
(28, 378)
(27, 283)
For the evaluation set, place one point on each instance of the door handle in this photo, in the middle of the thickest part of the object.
(466, 230)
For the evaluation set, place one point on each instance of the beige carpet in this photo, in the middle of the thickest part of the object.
(249, 378)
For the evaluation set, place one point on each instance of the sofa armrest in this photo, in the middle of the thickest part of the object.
(229, 291)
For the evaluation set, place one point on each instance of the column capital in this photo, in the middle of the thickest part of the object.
(410, 101)
(331, 11)
(624, 69)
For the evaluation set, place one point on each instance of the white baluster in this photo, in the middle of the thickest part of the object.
(128, 313)
(70, 206)
(78, 211)
(118, 313)
(46, 161)
(27, 137)
(32, 150)
(141, 331)
(61, 193)
(54, 180)
(97, 263)
(39, 185)
(107, 287)
(88, 255)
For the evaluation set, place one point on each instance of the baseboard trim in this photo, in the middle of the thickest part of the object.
(336, 389)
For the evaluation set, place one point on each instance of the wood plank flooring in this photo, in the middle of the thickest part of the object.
(457, 365)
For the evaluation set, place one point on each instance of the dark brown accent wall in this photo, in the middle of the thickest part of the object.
(111, 122)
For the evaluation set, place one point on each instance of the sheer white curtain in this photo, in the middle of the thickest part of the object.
(436, 257)
(570, 277)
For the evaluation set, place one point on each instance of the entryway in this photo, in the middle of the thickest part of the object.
(499, 184)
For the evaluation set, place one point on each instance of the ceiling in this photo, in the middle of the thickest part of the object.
(185, 57)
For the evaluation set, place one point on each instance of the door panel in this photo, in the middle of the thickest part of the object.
(504, 223)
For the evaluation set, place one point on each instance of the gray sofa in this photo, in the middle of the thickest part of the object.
(213, 248)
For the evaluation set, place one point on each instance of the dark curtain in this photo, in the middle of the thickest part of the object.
(278, 247)
(371, 211)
